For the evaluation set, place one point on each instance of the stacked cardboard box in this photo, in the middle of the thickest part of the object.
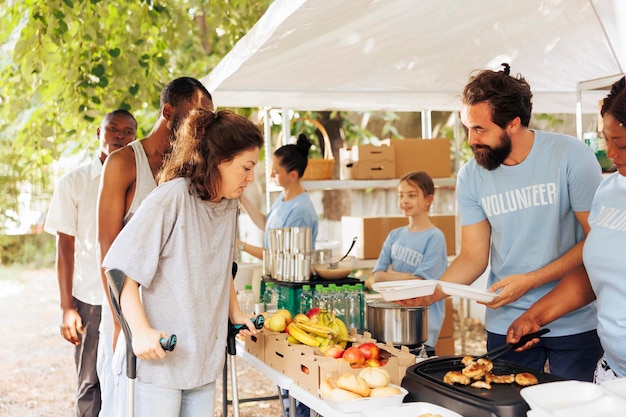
(367, 162)
(371, 232)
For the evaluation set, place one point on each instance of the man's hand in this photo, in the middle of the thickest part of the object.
(524, 324)
(512, 288)
(425, 301)
(72, 326)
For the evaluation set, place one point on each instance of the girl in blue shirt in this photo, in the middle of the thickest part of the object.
(416, 251)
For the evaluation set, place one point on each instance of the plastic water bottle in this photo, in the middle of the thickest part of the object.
(306, 299)
(360, 292)
(353, 308)
(270, 298)
(246, 300)
(339, 303)
(317, 296)
(332, 294)
(325, 300)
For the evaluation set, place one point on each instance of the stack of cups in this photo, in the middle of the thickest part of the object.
(288, 257)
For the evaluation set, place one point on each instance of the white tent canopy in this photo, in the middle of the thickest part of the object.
(409, 55)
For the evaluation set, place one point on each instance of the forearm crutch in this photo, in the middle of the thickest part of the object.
(116, 279)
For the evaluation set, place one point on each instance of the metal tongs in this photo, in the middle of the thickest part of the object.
(493, 354)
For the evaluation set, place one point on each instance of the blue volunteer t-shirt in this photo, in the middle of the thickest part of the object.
(298, 212)
(530, 207)
(422, 254)
(606, 265)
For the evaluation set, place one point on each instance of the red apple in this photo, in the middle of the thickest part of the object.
(370, 350)
(333, 351)
(354, 356)
(313, 312)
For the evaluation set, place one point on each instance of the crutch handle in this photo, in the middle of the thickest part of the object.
(168, 343)
(258, 322)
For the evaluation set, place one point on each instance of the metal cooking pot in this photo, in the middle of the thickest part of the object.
(389, 322)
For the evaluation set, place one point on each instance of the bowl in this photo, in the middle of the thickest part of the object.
(344, 268)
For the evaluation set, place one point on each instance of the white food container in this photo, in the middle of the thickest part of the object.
(412, 410)
(361, 404)
(552, 396)
(615, 387)
(405, 289)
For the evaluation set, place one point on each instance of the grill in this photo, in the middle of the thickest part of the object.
(424, 381)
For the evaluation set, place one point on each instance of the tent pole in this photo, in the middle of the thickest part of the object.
(286, 126)
(267, 132)
(427, 124)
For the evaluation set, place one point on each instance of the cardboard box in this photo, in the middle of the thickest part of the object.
(255, 345)
(430, 155)
(277, 351)
(372, 153)
(367, 162)
(445, 343)
(447, 224)
(371, 232)
(303, 367)
(397, 364)
(382, 170)
(445, 346)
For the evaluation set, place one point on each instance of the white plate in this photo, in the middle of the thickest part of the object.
(412, 410)
(355, 406)
(466, 291)
(405, 289)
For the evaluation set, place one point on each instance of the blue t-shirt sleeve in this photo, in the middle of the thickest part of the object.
(584, 175)
(470, 211)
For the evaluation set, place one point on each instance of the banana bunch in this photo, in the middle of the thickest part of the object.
(320, 331)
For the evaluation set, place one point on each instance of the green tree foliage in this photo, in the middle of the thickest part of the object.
(65, 63)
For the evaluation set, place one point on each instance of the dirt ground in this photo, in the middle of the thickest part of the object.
(37, 377)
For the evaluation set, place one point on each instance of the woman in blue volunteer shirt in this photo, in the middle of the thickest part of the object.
(293, 208)
(416, 251)
(603, 255)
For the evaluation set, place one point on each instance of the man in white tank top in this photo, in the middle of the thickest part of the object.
(128, 176)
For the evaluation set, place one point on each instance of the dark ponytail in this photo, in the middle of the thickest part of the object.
(294, 157)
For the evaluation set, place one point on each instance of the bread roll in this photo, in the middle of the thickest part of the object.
(353, 383)
(327, 385)
(375, 377)
(384, 392)
(343, 395)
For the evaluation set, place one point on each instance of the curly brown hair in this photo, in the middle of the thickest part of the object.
(206, 139)
(509, 97)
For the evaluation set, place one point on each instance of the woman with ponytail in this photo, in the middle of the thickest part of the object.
(293, 208)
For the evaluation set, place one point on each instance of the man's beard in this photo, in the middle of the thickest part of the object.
(491, 158)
